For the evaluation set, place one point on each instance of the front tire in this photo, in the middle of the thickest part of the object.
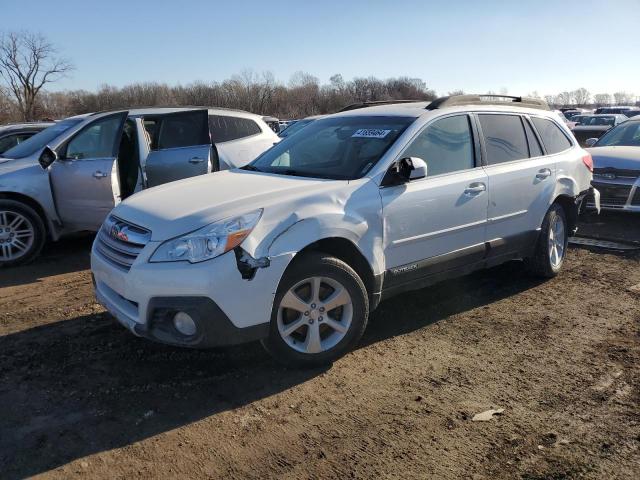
(551, 248)
(320, 312)
(22, 233)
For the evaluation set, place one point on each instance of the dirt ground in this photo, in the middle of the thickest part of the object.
(80, 396)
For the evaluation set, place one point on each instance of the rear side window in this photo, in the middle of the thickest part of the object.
(225, 128)
(504, 138)
(552, 136)
(183, 130)
(534, 146)
(446, 145)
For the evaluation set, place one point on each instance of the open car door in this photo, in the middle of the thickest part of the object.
(84, 178)
(180, 147)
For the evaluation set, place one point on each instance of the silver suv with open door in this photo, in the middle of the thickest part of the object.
(69, 177)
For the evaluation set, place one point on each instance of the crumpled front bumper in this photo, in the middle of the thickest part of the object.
(226, 308)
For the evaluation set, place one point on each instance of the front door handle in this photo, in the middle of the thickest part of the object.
(196, 160)
(99, 174)
(475, 188)
(544, 173)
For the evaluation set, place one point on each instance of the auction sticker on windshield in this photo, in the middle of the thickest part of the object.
(370, 133)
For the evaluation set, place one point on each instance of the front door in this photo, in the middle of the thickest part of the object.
(84, 179)
(180, 147)
(437, 223)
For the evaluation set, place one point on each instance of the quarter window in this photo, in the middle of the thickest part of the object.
(554, 139)
(504, 137)
(534, 145)
(446, 145)
(226, 128)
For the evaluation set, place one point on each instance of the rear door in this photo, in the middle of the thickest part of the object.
(180, 147)
(84, 179)
(521, 181)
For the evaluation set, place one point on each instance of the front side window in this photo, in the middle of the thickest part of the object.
(98, 140)
(340, 148)
(504, 138)
(624, 135)
(446, 145)
(553, 138)
(41, 139)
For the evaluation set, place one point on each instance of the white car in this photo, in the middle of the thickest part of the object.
(297, 248)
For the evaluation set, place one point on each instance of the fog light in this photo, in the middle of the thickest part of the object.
(184, 323)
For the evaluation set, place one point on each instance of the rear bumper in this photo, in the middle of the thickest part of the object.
(590, 198)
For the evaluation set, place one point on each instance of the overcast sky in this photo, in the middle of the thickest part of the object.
(523, 46)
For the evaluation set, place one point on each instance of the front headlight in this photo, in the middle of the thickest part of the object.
(208, 242)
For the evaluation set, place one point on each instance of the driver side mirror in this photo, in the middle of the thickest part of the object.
(590, 142)
(405, 170)
(47, 157)
(417, 166)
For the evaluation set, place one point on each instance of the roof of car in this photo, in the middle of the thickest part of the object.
(25, 126)
(419, 109)
(212, 111)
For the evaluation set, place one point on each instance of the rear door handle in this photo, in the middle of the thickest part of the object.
(196, 160)
(544, 173)
(99, 174)
(475, 188)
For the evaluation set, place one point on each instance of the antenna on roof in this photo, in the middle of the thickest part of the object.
(455, 100)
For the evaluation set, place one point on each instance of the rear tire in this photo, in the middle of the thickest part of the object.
(22, 233)
(320, 312)
(551, 247)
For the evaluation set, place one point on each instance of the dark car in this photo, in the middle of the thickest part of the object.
(616, 162)
(12, 135)
(593, 126)
(621, 109)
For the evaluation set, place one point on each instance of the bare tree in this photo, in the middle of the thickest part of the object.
(27, 63)
(623, 98)
(581, 96)
(602, 99)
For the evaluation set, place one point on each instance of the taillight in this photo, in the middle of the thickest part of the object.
(588, 162)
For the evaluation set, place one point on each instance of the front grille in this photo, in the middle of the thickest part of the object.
(612, 173)
(636, 197)
(120, 242)
(613, 195)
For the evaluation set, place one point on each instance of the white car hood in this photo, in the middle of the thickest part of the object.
(181, 207)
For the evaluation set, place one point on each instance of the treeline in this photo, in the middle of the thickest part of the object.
(304, 95)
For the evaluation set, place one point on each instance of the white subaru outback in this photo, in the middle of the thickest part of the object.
(297, 248)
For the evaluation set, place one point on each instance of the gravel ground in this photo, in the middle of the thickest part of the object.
(80, 396)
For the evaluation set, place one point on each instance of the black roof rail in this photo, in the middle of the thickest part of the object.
(373, 103)
(455, 100)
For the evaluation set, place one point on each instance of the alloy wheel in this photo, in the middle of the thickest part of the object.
(315, 315)
(17, 235)
(557, 241)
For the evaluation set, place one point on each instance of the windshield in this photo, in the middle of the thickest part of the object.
(296, 127)
(626, 134)
(40, 140)
(340, 148)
